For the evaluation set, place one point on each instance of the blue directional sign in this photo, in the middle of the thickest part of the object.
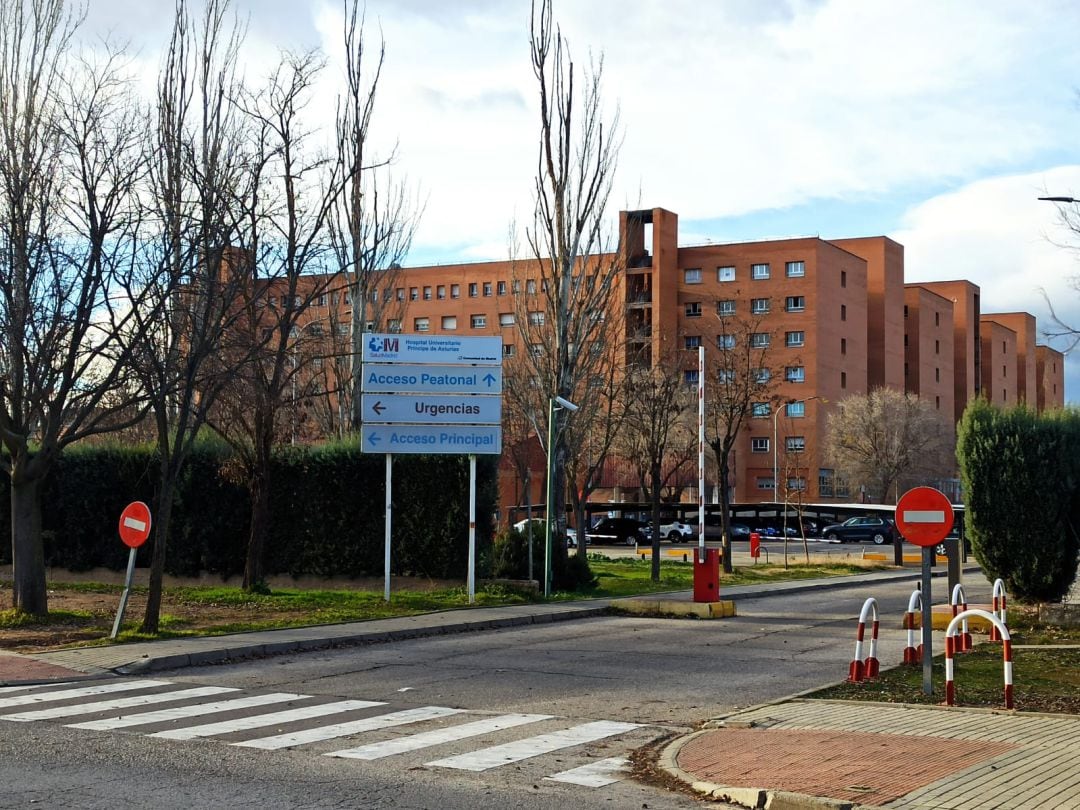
(397, 439)
(442, 349)
(431, 379)
(438, 410)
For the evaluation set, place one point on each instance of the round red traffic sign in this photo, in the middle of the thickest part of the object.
(924, 516)
(135, 524)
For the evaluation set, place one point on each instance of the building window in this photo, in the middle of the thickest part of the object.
(414, 294)
(474, 289)
(394, 325)
(537, 349)
(487, 289)
(440, 291)
(421, 324)
(343, 328)
(399, 293)
(693, 309)
(449, 322)
(692, 341)
(317, 362)
(795, 409)
(843, 278)
(765, 482)
(724, 308)
(506, 319)
(500, 288)
(937, 403)
(762, 375)
(759, 444)
(760, 410)
(794, 339)
(455, 291)
(759, 272)
(937, 347)
(905, 310)
(937, 375)
(725, 376)
(843, 345)
(795, 374)
(508, 350)
(691, 376)
(825, 482)
(905, 340)
(692, 276)
(795, 303)
(725, 273)
(796, 484)
(321, 301)
(937, 319)
(843, 312)
(795, 444)
(427, 293)
(478, 321)
(843, 379)
(760, 340)
(795, 269)
(536, 318)
(530, 286)
(759, 306)
(725, 341)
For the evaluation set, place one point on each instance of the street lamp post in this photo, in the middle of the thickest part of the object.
(554, 404)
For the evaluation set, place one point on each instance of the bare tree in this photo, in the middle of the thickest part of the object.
(70, 167)
(659, 435)
(191, 265)
(739, 384)
(291, 198)
(375, 219)
(888, 438)
(568, 306)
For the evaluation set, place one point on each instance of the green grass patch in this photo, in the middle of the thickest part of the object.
(12, 619)
(1045, 679)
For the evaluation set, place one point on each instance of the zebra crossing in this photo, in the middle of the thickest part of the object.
(443, 737)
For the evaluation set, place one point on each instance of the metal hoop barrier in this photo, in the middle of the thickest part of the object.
(864, 669)
(999, 609)
(912, 653)
(951, 640)
(959, 605)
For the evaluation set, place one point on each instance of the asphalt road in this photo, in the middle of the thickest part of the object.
(658, 676)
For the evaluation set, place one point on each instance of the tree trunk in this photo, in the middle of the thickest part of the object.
(27, 553)
(725, 514)
(162, 519)
(259, 486)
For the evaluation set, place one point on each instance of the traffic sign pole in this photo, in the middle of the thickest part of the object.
(927, 622)
(127, 591)
(472, 528)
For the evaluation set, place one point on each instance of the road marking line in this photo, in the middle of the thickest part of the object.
(182, 712)
(4, 690)
(497, 755)
(352, 727)
(84, 691)
(595, 774)
(258, 721)
(439, 736)
(115, 703)
(924, 516)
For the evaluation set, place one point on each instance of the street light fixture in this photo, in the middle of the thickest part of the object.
(555, 403)
(775, 467)
(1060, 199)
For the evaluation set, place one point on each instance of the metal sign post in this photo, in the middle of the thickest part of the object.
(927, 622)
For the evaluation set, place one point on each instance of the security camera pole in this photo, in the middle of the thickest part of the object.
(554, 404)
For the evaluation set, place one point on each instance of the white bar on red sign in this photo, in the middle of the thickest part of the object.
(924, 516)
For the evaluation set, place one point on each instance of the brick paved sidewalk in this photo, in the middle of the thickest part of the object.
(24, 668)
(872, 754)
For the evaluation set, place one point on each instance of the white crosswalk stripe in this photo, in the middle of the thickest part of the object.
(85, 691)
(115, 703)
(497, 755)
(61, 701)
(353, 727)
(415, 742)
(263, 720)
(595, 774)
(181, 712)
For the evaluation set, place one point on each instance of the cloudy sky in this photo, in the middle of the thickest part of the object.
(935, 123)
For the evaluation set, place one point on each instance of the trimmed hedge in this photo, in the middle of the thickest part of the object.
(327, 511)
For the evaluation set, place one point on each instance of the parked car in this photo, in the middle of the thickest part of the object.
(878, 529)
(674, 530)
(714, 529)
(571, 533)
(625, 531)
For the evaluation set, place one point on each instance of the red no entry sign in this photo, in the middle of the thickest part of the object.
(924, 516)
(135, 524)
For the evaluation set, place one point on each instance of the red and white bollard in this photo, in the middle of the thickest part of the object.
(959, 605)
(999, 609)
(951, 642)
(860, 669)
(912, 653)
